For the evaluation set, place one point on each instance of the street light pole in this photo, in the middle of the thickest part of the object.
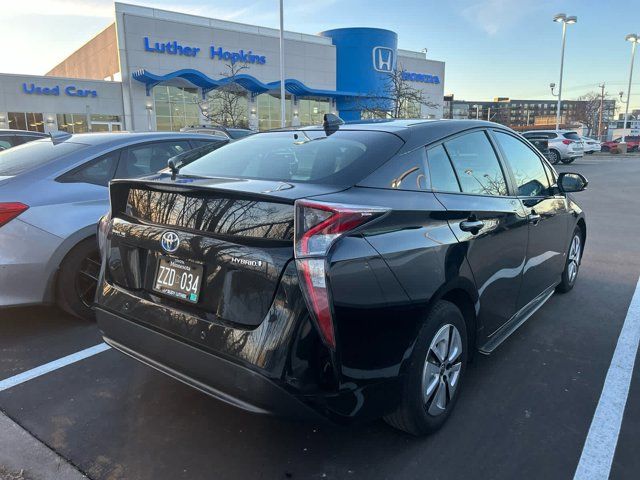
(565, 20)
(283, 122)
(634, 39)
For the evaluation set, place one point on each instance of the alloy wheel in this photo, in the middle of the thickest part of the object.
(574, 258)
(86, 281)
(442, 368)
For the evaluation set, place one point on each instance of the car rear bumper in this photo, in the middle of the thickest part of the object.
(25, 252)
(225, 380)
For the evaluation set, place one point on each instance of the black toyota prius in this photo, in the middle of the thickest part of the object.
(345, 271)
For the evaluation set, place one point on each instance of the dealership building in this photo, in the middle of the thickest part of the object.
(157, 70)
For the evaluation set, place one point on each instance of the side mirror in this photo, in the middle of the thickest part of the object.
(572, 182)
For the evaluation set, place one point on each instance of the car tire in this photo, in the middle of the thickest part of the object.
(78, 279)
(432, 384)
(604, 148)
(554, 157)
(567, 161)
(573, 261)
(589, 153)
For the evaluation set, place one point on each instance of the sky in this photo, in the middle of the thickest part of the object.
(506, 48)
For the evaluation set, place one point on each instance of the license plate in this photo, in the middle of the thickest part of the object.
(178, 278)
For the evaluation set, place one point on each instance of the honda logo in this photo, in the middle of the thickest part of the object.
(384, 59)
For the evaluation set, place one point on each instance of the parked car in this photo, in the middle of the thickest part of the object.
(344, 271)
(10, 138)
(591, 145)
(52, 193)
(632, 143)
(541, 142)
(564, 145)
(232, 133)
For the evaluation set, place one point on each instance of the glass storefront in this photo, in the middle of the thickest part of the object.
(26, 121)
(175, 107)
(311, 112)
(72, 122)
(77, 122)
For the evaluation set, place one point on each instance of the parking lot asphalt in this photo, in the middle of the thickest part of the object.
(524, 412)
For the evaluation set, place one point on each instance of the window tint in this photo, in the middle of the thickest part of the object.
(97, 172)
(25, 157)
(149, 158)
(341, 158)
(531, 179)
(476, 164)
(443, 178)
(572, 136)
(203, 143)
(403, 172)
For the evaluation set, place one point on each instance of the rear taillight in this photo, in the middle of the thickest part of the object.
(103, 231)
(10, 210)
(317, 226)
(567, 142)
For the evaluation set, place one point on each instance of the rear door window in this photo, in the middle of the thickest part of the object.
(97, 172)
(476, 164)
(140, 160)
(443, 178)
(531, 179)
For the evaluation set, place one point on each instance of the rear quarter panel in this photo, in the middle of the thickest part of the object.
(384, 281)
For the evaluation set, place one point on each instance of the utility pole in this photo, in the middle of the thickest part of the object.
(600, 113)
(283, 120)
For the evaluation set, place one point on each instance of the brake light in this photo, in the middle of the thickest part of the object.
(567, 142)
(317, 226)
(10, 210)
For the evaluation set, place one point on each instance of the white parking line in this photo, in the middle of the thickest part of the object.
(51, 366)
(600, 446)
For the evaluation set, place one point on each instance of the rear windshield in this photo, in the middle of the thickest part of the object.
(23, 158)
(340, 158)
(572, 136)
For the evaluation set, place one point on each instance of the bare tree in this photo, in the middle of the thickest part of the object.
(397, 99)
(587, 111)
(227, 105)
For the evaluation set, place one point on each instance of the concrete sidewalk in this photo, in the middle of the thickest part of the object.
(22, 456)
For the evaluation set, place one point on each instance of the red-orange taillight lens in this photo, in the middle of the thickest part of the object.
(10, 210)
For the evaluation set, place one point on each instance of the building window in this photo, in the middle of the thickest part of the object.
(175, 107)
(72, 122)
(269, 111)
(227, 107)
(26, 121)
(311, 112)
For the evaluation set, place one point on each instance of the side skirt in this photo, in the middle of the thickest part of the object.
(518, 319)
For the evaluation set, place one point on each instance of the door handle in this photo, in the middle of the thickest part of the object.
(472, 226)
(533, 217)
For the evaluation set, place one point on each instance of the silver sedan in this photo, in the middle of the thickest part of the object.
(52, 193)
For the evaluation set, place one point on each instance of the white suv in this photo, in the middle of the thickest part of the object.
(564, 145)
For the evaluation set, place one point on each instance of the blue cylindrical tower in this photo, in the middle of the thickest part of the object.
(365, 57)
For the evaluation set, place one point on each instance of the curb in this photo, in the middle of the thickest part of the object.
(22, 452)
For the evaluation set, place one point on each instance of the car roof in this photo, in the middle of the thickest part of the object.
(95, 139)
(414, 132)
(551, 130)
(12, 131)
